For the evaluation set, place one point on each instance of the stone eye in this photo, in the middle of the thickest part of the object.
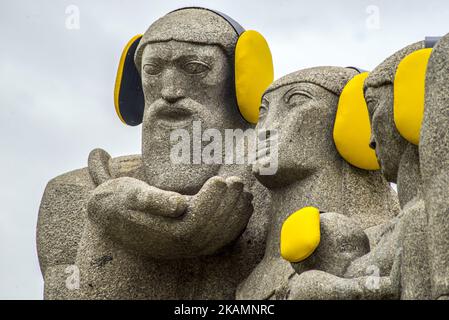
(296, 98)
(195, 67)
(263, 110)
(152, 69)
(372, 105)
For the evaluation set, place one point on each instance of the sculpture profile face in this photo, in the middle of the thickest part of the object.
(385, 138)
(302, 113)
(182, 83)
(379, 95)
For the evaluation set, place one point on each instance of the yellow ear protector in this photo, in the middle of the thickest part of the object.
(300, 234)
(128, 95)
(409, 91)
(352, 127)
(253, 67)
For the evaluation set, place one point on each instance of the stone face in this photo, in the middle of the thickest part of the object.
(400, 163)
(399, 257)
(145, 227)
(301, 108)
(142, 227)
(176, 98)
(433, 151)
(379, 95)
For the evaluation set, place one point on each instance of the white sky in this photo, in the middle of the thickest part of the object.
(56, 85)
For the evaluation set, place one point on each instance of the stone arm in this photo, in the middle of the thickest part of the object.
(320, 285)
(62, 216)
(168, 225)
(164, 224)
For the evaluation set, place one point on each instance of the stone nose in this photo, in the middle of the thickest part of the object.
(172, 94)
(172, 89)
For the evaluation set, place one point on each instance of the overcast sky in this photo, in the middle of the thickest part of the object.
(56, 85)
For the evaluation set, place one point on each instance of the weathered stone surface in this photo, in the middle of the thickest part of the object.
(399, 259)
(342, 241)
(379, 91)
(324, 274)
(399, 160)
(434, 156)
(301, 107)
(144, 227)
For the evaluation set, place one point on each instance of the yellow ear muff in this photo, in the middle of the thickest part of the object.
(253, 73)
(409, 87)
(128, 95)
(352, 128)
(300, 234)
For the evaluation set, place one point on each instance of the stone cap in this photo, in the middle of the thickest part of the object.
(331, 78)
(196, 25)
(385, 72)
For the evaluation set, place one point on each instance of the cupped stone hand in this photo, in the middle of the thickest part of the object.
(164, 224)
(215, 216)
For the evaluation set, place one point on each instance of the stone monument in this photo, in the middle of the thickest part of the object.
(301, 108)
(142, 227)
(401, 253)
(399, 161)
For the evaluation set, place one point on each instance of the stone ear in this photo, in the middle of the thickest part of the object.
(352, 127)
(128, 94)
(254, 72)
(409, 91)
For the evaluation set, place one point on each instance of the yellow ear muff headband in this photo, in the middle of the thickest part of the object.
(409, 91)
(128, 95)
(300, 234)
(253, 67)
(352, 127)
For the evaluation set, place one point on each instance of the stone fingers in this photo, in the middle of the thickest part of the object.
(98, 166)
(158, 202)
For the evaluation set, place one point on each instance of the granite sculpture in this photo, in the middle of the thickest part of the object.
(145, 227)
(401, 253)
(301, 108)
(140, 226)
(434, 165)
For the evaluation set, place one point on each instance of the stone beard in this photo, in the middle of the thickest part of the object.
(183, 83)
(144, 228)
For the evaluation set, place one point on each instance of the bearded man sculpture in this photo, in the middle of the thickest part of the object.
(142, 227)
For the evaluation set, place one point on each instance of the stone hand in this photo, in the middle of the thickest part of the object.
(216, 215)
(320, 285)
(98, 166)
(129, 194)
(102, 167)
(163, 224)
